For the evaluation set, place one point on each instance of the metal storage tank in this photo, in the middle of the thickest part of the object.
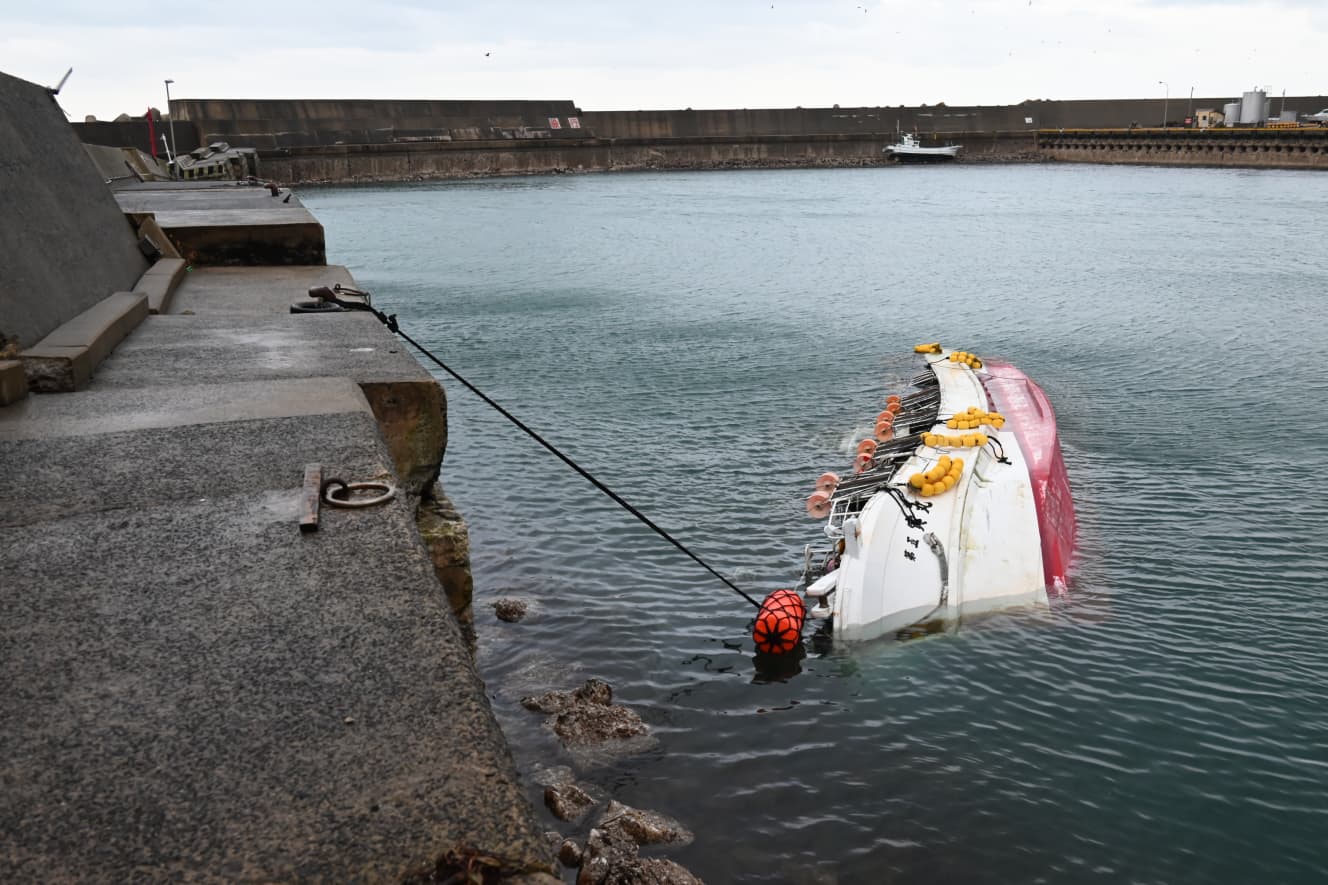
(1231, 113)
(1253, 107)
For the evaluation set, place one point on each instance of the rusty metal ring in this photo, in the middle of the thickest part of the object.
(386, 489)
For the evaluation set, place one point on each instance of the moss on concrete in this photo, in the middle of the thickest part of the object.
(448, 541)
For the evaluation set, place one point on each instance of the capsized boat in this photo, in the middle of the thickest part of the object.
(959, 503)
(910, 150)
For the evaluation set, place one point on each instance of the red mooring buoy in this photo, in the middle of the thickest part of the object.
(778, 627)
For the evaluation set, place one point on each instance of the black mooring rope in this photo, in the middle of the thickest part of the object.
(391, 323)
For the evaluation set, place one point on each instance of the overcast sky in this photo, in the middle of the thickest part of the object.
(667, 54)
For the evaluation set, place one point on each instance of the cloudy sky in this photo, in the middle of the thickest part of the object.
(669, 53)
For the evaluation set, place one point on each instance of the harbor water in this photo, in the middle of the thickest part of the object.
(708, 343)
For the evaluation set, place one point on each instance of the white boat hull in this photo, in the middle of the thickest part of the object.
(909, 150)
(906, 566)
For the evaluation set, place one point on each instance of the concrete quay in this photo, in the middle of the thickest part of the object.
(190, 686)
(227, 223)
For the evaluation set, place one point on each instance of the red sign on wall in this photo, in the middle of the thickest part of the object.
(554, 124)
(574, 122)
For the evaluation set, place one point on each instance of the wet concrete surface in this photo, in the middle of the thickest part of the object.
(228, 223)
(192, 687)
(220, 199)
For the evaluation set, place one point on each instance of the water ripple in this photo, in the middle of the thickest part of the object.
(708, 344)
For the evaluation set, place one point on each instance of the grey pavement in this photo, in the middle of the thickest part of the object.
(191, 688)
(228, 223)
(151, 196)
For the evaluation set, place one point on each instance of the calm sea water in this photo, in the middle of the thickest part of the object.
(708, 343)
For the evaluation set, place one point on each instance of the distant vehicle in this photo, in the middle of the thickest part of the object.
(1320, 117)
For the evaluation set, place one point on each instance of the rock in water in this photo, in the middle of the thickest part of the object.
(595, 724)
(643, 827)
(595, 691)
(569, 854)
(612, 852)
(592, 728)
(568, 801)
(510, 610)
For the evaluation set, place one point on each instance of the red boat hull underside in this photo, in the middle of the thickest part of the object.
(1025, 407)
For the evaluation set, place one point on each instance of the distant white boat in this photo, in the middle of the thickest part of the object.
(910, 151)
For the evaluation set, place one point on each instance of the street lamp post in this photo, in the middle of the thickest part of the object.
(1166, 98)
(168, 110)
(1189, 111)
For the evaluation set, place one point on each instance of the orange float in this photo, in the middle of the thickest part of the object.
(827, 482)
(778, 627)
(868, 446)
(818, 505)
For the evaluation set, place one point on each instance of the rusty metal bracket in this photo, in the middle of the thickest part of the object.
(309, 497)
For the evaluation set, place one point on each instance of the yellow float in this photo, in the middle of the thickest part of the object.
(942, 477)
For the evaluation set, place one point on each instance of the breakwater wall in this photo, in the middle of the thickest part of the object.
(411, 162)
(275, 124)
(1305, 148)
(279, 123)
(364, 141)
(322, 141)
(137, 134)
(941, 119)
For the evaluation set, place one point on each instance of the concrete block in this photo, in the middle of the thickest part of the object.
(412, 416)
(64, 360)
(51, 368)
(66, 243)
(13, 382)
(160, 283)
(148, 227)
(230, 226)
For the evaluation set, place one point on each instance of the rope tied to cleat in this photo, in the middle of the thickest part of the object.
(330, 295)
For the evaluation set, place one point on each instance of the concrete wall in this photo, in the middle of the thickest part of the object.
(1122, 113)
(70, 246)
(292, 123)
(416, 162)
(282, 123)
(134, 134)
(423, 162)
(125, 164)
(1026, 116)
(330, 141)
(1257, 148)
